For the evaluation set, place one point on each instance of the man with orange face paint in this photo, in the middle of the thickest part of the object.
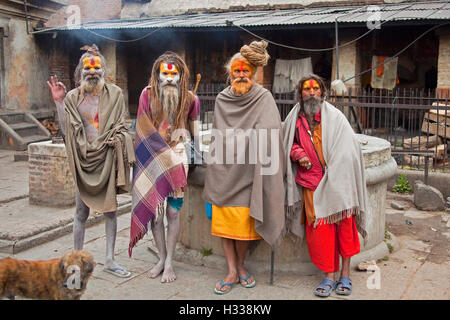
(98, 145)
(247, 205)
(327, 166)
(167, 120)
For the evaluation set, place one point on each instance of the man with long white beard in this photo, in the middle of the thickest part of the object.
(99, 147)
(328, 167)
(167, 119)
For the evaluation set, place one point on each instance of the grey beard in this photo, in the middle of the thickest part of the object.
(169, 97)
(92, 84)
(312, 105)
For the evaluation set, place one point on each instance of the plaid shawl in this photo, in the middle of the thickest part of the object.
(158, 173)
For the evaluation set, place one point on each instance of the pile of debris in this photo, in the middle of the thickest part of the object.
(436, 127)
(51, 126)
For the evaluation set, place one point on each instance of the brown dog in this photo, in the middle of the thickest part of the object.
(57, 279)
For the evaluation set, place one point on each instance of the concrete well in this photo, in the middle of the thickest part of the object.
(291, 255)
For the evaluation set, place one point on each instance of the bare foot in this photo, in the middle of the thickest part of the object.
(156, 270)
(168, 275)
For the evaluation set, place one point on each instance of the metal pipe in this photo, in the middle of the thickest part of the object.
(272, 258)
(337, 46)
(26, 14)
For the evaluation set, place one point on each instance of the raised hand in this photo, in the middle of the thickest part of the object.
(57, 88)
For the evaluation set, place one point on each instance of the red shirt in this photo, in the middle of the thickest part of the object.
(303, 146)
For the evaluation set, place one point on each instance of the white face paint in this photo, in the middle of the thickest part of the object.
(168, 74)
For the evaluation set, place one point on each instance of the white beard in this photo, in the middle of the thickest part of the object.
(312, 105)
(92, 85)
(169, 98)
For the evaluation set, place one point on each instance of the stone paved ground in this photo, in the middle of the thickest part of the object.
(419, 269)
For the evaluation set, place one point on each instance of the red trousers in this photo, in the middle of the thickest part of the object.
(327, 241)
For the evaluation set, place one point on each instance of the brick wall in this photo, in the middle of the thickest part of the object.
(443, 81)
(59, 63)
(50, 181)
(89, 11)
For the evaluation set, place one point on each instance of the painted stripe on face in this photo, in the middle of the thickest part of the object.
(169, 68)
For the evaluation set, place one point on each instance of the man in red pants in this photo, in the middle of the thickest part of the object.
(330, 171)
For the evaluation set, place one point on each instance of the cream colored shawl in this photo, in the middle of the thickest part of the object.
(342, 192)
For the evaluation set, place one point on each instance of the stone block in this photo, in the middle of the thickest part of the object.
(50, 181)
(427, 197)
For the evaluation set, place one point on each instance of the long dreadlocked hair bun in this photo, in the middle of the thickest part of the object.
(256, 53)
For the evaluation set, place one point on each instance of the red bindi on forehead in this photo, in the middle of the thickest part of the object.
(92, 62)
(242, 66)
(169, 67)
(311, 83)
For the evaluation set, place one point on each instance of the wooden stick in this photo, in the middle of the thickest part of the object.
(199, 76)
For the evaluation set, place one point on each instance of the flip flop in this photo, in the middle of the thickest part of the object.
(344, 283)
(327, 285)
(222, 284)
(248, 285)
(118, 272)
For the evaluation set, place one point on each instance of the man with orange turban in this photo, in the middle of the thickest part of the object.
(238, 190)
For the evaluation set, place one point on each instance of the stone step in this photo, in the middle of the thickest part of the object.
(25, 128)
(35, 138)
(12, 117)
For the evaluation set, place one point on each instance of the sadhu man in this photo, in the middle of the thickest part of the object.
(167, 119)
(247, 195)
(98, 145)
(327, 165)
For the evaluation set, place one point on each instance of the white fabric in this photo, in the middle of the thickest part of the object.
(289, 72)
(343, 186)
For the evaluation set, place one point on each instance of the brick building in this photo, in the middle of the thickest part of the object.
(22, 57)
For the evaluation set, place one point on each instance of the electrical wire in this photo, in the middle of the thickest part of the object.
(398, 53)
(339, 46)
(124, 41)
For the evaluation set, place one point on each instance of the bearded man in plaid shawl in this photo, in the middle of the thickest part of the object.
(167, 110)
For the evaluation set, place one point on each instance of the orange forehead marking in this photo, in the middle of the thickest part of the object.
(311, 84)
(92, 62)
(240, 64)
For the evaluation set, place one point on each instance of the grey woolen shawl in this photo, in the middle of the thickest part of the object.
(243, 185)
(342, 192)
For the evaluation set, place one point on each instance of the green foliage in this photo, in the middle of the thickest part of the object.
(402, 185)
(387, 235)
(206, 252)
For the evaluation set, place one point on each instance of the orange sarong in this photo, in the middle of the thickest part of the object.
(233, 223)
(307, 194)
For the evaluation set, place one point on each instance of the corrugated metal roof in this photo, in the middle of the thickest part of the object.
(438, 10)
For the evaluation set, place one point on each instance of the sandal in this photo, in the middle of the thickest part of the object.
(248, 285)
(118, 272)
(327, 285)
(222, 284)
(344, 283)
